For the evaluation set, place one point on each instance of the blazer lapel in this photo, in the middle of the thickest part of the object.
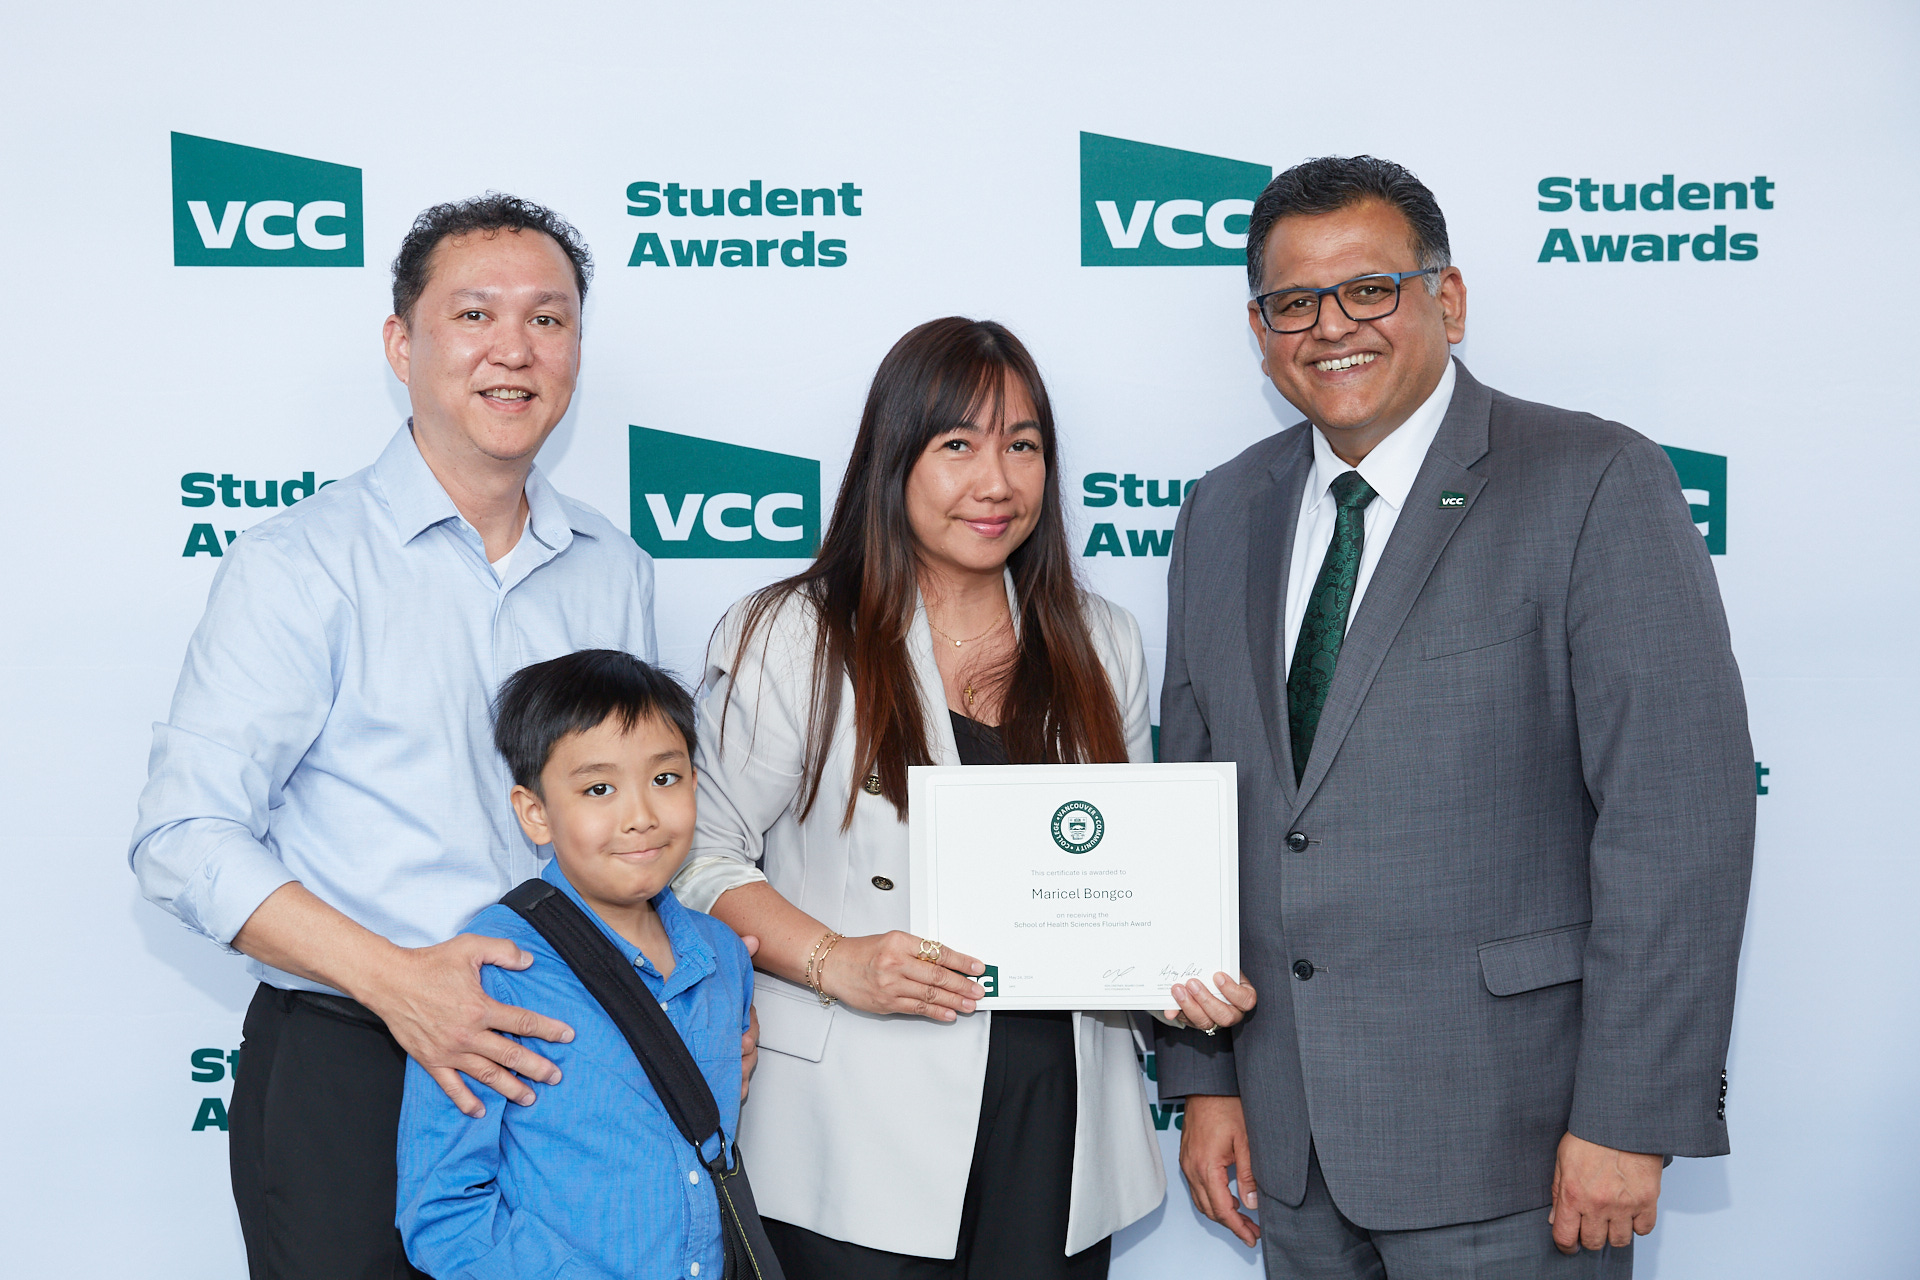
(1419, 536)
(1272, 513)
(933, 690)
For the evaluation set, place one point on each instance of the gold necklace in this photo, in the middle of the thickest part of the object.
(970, 639)
(967, 692)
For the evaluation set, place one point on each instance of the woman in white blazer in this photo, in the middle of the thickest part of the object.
(891, 1124)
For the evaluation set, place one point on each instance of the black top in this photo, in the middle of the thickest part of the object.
(982, 744)
(978, 743)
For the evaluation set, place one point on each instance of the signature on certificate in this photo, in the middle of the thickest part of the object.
(1178, 973)
(1114, 975)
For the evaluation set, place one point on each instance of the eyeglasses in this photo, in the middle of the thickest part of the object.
(1373, 297)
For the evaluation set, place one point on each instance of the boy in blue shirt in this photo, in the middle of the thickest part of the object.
(592, 1181)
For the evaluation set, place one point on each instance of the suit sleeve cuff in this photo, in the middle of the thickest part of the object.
(701, 881)
(1191, 1062)
(1645, 1127)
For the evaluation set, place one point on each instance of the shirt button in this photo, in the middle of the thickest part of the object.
(693, 1177)
(1297, 841)
(881, 882)
(694, 1269)
(1303, 969)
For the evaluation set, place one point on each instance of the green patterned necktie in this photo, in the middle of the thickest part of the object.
(1325, 625)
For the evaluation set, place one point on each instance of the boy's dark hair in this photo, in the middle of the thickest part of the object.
(489, 214)
(543, 703)
(1331, 183)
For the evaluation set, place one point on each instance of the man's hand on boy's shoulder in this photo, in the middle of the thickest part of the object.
(431, 998)
(750, 1042)
(432, 1001)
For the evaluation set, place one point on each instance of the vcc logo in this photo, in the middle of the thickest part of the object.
(1703, 479)
(695, 499)
(1148, 206)
(236, 206)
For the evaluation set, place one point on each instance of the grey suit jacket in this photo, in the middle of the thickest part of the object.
(1518, 861)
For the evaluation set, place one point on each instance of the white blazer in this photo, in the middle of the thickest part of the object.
(861, 1126)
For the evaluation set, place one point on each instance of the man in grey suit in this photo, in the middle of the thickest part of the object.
(1496, 789)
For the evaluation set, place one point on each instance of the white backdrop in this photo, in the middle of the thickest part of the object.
(961, 128)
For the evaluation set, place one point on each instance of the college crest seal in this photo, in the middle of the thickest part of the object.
(1078, 826)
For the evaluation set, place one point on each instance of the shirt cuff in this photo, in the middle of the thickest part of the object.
(229, 885)
(701, 881)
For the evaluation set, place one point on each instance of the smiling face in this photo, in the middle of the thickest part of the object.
(492, 350)
(617, 806)
(1357, 380)
(976, 492)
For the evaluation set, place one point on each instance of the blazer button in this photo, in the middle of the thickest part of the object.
(881, 882)
(872, 785)
(1297, 841)
(1303, 969)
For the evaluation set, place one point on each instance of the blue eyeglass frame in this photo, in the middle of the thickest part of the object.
(1319, 296)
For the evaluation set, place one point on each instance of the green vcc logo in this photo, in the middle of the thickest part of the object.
(1148, 206)
(695, 499)
(236, 206)
(1703, 479)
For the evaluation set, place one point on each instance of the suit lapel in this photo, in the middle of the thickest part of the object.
(1272, 513)
(1419, 536)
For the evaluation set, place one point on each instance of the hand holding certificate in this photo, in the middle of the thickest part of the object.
(1081, 886)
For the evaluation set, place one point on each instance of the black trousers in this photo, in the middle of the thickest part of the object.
(312, 1128)
(1014, 1222)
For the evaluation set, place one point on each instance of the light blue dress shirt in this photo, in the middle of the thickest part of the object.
(593, 1181)
(332, 722)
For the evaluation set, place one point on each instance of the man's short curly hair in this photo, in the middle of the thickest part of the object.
(489, 214)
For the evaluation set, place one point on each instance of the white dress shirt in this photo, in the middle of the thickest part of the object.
(1390, 469)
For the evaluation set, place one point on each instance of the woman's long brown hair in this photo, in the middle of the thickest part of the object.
(1058, 705)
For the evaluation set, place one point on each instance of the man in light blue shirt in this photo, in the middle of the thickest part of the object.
(324, 795)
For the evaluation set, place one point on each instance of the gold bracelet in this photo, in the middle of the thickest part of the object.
(820, 974)
(817, 962)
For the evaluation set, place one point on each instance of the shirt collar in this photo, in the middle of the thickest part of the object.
(547, 518)
(693, 959)
(1393, 465)
(415, 497)
(418, 501)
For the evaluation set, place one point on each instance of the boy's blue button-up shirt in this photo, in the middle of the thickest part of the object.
(592, 1180)
(332, 724)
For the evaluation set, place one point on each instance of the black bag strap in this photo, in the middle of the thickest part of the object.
(650, 1033)
(607, 976)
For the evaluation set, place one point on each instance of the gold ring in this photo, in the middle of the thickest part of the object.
(930, 950)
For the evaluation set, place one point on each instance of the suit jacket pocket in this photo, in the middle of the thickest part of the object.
(1530, 961)
(792, 1020)
(1484, 633)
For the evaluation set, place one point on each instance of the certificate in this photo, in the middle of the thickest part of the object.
(1089, 886)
